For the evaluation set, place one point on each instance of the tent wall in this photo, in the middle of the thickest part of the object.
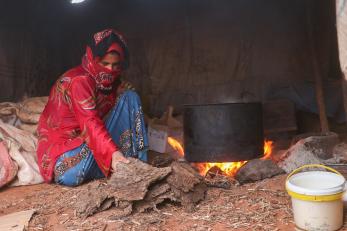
(195, 51)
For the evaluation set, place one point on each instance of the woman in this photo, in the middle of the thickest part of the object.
(75, 145)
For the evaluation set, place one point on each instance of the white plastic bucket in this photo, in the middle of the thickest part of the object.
(316, 198)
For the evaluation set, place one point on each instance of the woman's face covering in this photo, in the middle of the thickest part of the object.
(111, 61)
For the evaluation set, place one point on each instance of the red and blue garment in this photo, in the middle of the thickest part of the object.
(77, 107)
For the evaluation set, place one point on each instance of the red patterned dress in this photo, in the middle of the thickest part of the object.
(74, 103)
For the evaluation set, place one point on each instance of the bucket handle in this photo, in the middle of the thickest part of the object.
(310, 166)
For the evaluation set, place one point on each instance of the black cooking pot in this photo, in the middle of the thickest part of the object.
(223, 132)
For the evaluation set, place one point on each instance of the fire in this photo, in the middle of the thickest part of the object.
(228, 168)
(268, 146)
(176, 145)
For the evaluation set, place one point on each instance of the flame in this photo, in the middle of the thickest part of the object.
(268, 146)
(228, 168)
(176, 145)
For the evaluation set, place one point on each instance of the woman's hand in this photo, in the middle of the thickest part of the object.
(118, 157)
(124, 86)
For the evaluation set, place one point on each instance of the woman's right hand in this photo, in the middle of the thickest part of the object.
(118, 157)
(124, 86)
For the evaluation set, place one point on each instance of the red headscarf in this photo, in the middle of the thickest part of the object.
(102, 43)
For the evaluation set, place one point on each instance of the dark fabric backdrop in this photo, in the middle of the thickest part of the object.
(182, 51)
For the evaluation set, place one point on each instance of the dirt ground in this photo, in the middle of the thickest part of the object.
(257, 206)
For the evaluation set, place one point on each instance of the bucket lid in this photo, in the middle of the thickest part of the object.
(316, 183)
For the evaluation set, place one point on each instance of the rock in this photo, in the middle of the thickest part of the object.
(315, 149)
(321, 145)
(340, 153)
(298, 155)
(257, 169)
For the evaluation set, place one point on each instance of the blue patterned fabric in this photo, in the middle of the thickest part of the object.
(126, 126)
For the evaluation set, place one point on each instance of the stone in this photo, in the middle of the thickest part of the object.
(340, 153)
(321, 145)
(297, 156)
(257, 169)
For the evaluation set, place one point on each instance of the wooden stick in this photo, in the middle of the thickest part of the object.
(317, 73)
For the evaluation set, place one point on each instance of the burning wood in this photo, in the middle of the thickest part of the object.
(228, 168)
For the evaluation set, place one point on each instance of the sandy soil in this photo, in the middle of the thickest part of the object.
(257, 206)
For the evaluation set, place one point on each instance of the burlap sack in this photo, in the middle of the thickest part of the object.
(35, 105)
(27, 117)
(21, 146)
(8, 168)
(30, 110)
(8, 108)
(8, 112)
(29, 127)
